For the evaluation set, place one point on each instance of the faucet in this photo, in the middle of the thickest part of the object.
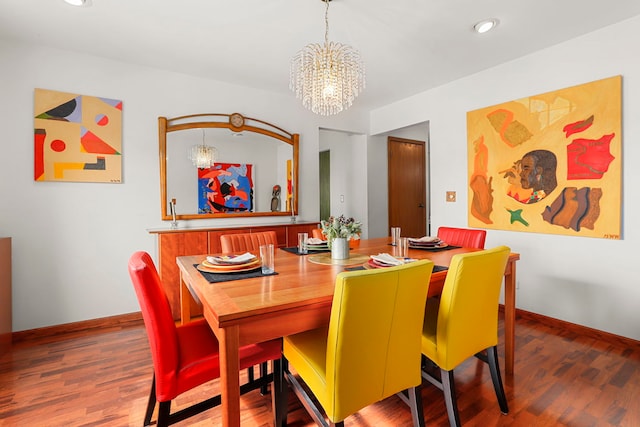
(174, 223)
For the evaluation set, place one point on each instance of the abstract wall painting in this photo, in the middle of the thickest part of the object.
(225, 188)
(549, 163)
(77, 138)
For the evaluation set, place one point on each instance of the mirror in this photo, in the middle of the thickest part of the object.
(253, 157)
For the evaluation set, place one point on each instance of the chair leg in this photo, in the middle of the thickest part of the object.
(264, 370)
(152, 402)
(279, 394)
(415, 403)
(448, 386)
(492, 356)
(163, 414)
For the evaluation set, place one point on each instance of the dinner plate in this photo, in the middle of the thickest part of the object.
(231, 259)
(215, 268)
(236, 269)
(438, 246)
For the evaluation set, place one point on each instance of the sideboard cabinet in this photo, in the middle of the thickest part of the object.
(175, 243)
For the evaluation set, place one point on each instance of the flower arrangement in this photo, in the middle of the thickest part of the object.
(341, 226)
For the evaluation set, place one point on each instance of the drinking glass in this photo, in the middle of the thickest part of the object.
(403, 247)
(267, 258)
(302, 243)
(395, 235)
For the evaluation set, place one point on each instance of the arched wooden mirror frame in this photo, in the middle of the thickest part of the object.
(235, 122)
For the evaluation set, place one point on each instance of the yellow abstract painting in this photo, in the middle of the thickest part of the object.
(77, 137)
(549, 163)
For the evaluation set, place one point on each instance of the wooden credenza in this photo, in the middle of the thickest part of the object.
(5, 295)
(175, 243)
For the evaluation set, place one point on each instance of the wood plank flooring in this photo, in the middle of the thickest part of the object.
(564, 376)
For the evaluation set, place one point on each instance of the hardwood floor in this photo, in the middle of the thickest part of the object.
(564, 376)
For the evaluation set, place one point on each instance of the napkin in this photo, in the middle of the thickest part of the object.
(387, 259)
(230, 259)
(315, 241)
(425, 239)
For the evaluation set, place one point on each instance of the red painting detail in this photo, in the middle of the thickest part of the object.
(576, 127)
(58, 145)
(92, 144)
(38, 145)
(102, 120)
(589, 158)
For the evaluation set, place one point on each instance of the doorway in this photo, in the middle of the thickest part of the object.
(325, 184)
(406, 160)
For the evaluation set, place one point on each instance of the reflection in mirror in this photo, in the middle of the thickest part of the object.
(253, 159)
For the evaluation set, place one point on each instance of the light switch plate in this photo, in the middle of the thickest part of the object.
(451, 196)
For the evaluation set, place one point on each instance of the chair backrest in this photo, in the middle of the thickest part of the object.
(464, 237)
(247, 241)
(468, 312)
(158, 321)
(317, 234)
(374, 338)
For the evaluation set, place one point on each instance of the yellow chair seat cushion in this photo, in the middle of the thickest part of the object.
(307, 351)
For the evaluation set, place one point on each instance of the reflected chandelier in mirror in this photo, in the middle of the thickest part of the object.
(253, 158)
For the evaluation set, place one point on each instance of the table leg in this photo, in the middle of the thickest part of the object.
(509, 317)
(229, 339)
(185, 302)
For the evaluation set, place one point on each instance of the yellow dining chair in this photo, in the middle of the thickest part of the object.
(370, 349)
(464, 322)
(247, 241)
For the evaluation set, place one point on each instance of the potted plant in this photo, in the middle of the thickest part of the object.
(339, 231)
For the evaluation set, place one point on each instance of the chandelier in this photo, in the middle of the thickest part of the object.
(203, 156)
(327, 78)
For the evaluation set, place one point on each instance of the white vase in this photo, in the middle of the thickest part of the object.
(339, 248)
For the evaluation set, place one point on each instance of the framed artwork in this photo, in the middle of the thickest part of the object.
(77, 138)
(225, 188)
(549, 163)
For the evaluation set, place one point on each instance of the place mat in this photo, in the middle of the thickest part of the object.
(327, 260)
(228, 277)
(294, 250)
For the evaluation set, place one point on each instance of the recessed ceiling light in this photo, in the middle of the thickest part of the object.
(486, 25)
(78, 2)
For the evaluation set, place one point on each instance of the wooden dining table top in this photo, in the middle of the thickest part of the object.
(298, 282)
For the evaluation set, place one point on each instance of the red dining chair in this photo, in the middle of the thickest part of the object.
(187, 356)
(316, 233)
(247, 241)
(463, 237)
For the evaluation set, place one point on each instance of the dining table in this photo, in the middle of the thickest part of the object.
(297, 298)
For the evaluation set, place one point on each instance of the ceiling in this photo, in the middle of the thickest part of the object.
(408, 46)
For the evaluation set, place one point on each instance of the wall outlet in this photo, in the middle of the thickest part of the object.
(451, 196)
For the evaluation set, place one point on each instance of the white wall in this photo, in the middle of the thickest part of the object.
(593, 282)
(72, 241)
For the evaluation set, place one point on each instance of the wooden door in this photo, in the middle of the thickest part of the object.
(407, 186)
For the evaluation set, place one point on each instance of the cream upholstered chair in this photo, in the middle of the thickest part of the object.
(247, 241)
(463, 237)
(463, 322)
(187, 356)
(371, 347)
